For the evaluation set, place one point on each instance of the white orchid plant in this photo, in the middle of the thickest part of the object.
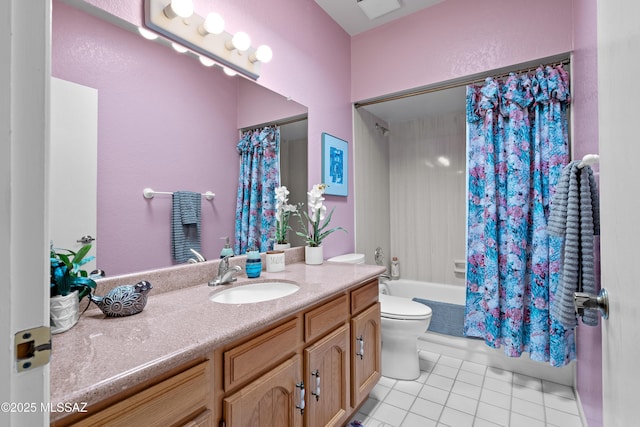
(316, 221)
(284, 210)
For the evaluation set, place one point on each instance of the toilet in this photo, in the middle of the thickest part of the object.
(402, 320)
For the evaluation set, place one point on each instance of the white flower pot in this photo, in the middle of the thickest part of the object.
(313, 255)
(281, 246)
(64, 312)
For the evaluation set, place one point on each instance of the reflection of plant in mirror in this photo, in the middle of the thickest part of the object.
(312, 232)
(283, 213)
(66, 275)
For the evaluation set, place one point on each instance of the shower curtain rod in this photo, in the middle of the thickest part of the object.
(278, 123)
(458, 83)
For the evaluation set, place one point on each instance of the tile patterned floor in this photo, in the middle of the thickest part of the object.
(457, 393)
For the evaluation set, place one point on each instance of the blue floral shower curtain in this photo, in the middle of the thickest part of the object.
(259, 176)
(517, 147)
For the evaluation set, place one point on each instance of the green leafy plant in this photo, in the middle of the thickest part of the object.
(66, 275)
(315, 223)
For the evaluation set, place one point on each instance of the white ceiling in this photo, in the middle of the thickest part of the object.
(350, 16)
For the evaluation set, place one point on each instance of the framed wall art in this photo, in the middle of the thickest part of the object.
(335, 165)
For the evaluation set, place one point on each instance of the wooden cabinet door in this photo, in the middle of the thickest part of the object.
(327, 378)
(365, 353)
(269, 401)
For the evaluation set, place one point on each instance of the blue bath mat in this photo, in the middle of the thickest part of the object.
(446, 318)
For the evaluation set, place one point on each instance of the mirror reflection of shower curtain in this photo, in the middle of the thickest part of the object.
(517, 147)
(258, 178)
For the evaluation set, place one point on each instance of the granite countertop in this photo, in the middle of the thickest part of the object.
(102, 356)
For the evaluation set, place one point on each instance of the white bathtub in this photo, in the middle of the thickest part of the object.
(473, 350)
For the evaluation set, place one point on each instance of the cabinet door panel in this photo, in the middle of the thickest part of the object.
(328, 361)
(269, 401)
(365, 353)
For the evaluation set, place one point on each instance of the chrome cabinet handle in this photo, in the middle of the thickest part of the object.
(317, 392)
(361, 352)
(300, 385)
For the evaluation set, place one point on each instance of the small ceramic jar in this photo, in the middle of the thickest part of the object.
(275, 261)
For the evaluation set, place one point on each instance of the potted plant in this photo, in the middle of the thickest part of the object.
(69, 285)
(315, 225)
(283, 213)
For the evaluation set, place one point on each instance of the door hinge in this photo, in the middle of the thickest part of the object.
(33, 348)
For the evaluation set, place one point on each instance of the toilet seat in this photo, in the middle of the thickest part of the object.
(402, 308)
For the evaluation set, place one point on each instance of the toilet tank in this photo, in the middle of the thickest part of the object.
(348, 258)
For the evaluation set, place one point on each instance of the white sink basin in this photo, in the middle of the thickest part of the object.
(254, 292)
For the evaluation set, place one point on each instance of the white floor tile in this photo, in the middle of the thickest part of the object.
(440, 382)
(434, 394)
(527, 381)
(369, 407)
(465, 389)
(499, 374)
(462, 403)
(528, 394)
(497, 385)
(389, 414)
(470, 378)
(562, 419)
(450, 361)
(400, 399)
(379, 392)
(423, 377)
(445, 371)
(414, 420)
(520, 420)
(426, 408)
(529, 409)
(387, 382)
(476, 368)
(498, 415)
(452, 417)
(559, 389)
(494, 398)
(560, 403)
(479, 422)
(411, 387)
(428, 355)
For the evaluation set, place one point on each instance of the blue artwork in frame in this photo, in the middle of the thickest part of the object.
(335, 165)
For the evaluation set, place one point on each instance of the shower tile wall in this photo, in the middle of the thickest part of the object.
(427, 196)
(371, 181)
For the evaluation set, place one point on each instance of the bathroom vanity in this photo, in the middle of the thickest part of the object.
(309, 358)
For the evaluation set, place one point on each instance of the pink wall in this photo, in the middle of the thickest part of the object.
(585, 140)
(454, 39)
(134, 233)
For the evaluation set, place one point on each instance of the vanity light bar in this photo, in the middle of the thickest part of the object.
(187, 31)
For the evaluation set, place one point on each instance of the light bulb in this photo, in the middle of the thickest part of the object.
(147, 34)
(262, 54)
(213, 24)
(241, 41)
(181, 8)
(229, 72)
(178, 47)
(207, 62)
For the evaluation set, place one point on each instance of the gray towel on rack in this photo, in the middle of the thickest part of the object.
(575, 218)
(185, 224)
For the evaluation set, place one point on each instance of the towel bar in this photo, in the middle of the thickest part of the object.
(148, 193)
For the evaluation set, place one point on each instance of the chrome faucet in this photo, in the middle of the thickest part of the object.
(226, 274)
(384, 277)
(198, 257)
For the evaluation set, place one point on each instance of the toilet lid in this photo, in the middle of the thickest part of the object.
(402, 308)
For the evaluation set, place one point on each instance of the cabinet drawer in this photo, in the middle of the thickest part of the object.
(364, 296)
(166, 403)
(324, 318)
(258, 354)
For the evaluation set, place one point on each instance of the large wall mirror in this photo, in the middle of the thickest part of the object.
(163, 121)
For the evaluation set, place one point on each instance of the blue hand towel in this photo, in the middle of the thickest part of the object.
(575, 218)
(185, 224)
